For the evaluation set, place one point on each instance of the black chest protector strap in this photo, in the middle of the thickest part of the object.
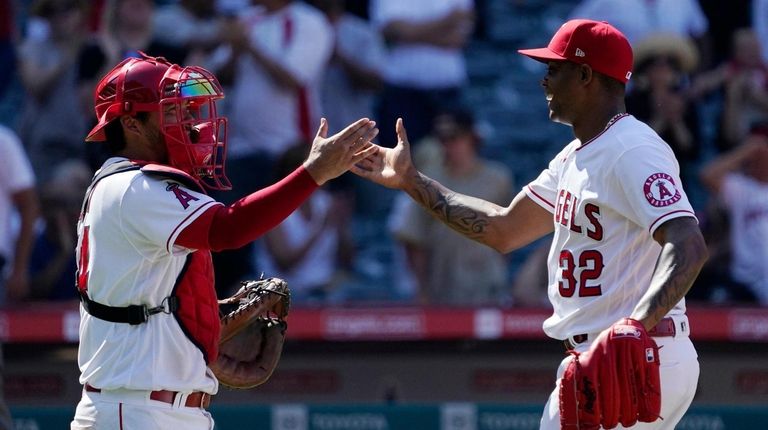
(132, 314)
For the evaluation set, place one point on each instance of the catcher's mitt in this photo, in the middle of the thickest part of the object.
(252, 333)
(616, 381)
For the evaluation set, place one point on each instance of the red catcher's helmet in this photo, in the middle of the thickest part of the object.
(195, 137)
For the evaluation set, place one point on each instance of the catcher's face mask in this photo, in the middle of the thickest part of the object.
(195, 136)
(194, 133)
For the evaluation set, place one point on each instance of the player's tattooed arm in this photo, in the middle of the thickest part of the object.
(467, 215)
(502, 228)
(683, 253)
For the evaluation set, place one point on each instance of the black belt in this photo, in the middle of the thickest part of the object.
(665, 328)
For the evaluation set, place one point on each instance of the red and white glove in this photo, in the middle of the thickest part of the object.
(616, 381)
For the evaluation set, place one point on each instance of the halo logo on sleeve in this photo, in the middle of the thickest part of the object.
(182, 196)
(660, 190)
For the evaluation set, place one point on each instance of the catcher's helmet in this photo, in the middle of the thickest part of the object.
(196, 138)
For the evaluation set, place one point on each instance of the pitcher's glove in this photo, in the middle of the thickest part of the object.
(252, 333)
(616, 381)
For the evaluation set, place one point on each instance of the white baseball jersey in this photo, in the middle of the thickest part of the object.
(127, 247)
(15, 175)
(608, 195)
(420, 65)
(300, 39)
(747, 203)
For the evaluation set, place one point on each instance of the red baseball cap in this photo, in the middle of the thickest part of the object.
(595, 43)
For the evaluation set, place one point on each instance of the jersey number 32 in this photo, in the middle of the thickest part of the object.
(588, 265)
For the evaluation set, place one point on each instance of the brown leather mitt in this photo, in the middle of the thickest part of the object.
(252, 333)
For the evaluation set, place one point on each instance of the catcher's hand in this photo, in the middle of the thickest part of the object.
(616, 381)
(252, 334)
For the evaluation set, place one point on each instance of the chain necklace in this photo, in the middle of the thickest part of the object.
(615, 118)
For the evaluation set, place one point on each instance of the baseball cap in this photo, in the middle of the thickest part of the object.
(595, 43)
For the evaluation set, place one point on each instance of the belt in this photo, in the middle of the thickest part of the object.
(197, 399)
(571, 342)
(665, 328)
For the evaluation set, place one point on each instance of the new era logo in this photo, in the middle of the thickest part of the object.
(625, 331)
(580, 53)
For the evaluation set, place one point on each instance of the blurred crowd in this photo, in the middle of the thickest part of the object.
(700, 82)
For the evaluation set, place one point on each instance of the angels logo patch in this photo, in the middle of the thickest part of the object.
(660, 190)
(182, 196)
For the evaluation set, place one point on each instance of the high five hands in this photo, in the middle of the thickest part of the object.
(390, 167)
(330, 157)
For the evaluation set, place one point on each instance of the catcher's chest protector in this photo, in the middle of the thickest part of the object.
(198, 312)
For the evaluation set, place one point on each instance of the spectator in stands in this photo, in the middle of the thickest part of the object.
(663, 63)
(746, 98)
(17, 199)
(724, 18)
(425, 70)
(277, 50)
(126, 29)
(715, 285)
(189, 25)
(529, 284)
(349, 88)
(16, 194)
(638, 19)
(308, 248)
(743, 80)
(275, 55)
(7, 45)
(53, 124)
(52, 264)
(739, 179)
(449, 268)
(353, 76)
(760, 24)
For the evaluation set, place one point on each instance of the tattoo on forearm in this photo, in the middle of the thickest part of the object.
(675, 273)
(676, 286)
(450, 208)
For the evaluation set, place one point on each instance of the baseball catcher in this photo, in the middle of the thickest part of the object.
(616, 381)
(252, 333)
(146, 233)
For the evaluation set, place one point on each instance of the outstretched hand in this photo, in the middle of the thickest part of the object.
(390, 167)
(332, 156)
